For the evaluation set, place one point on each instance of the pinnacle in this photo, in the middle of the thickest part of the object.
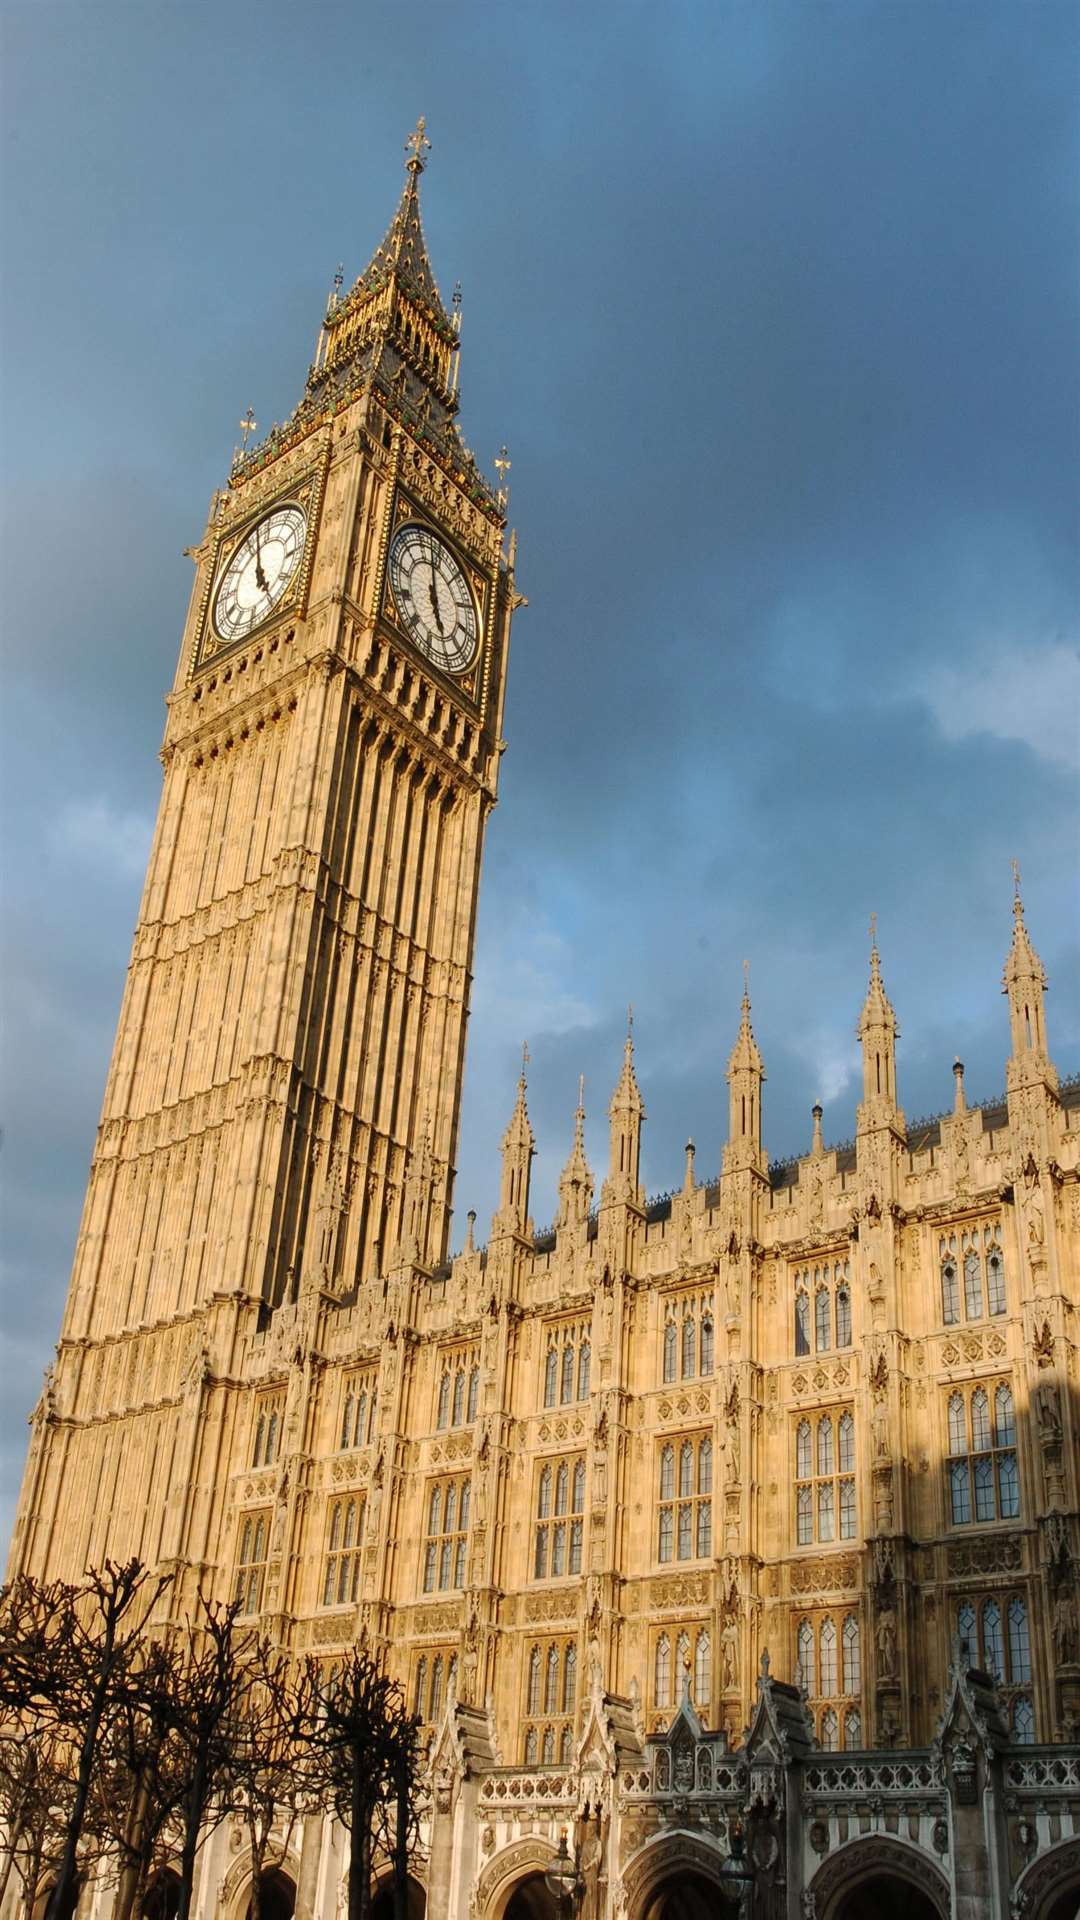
(877, 1008)
(519, 1132)
(576, 1181)
(627, 1094)
(745, 1054)
(402, 252)
(1023, 962)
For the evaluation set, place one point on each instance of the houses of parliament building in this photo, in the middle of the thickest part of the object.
(729, 1541)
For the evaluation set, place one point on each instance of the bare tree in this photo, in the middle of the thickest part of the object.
(364, 1760)
(270, 1776)
(213, 1683)
(65, 1656)
(141, 1777)
(35, 1794)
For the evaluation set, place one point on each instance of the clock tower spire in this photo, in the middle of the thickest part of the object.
(293, 1029)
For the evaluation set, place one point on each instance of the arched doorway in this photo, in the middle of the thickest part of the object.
(531, 1900)
(884, 1897)
(687, 1896)
(382, 1907)
(277, 1895)
(880, 1878)
(1049, 1889)
(161, 1900)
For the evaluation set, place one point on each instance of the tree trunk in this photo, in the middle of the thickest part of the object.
(135, 1863)
(9, 1860)
(359, 1842)
(257, 1850)
(63, 1891)
(194, 1811)
(401, 1847)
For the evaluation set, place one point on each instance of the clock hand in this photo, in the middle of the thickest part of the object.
(260, 577)
(433, 597)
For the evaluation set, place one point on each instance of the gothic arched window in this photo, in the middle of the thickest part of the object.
(852, 1655)
(846, 1437)
(562, 1487)
(852, 1729)
(551, 1377)
(980, 1420)
(972, 1286)
(825, 1446)
(950, 1293)
(966, 1633)
(1004, 1419)
(706, 1343)
(993, 1641)
(530, 1747)
(686, 1468)
(474, 1394)
(670, 1348)
(565, 1744)
(702, 1671)
(802, 1322)
(806, 1655)
(579, 1487)
(843, 1317)
(436, 1687)
(830, 1731)
(549, 1747)
(667, 1473)
(584, 1358)
(821, 1318)
(420, 1688)
(995, 1280)
(569, 1685)
(803, 1461)
(957, 1424)
(532, 1704)
(458, 1414)
(663, 1671)
(567, 1389)
(1019, 1644)
(551, 1682)
(443, 1414)
(1023, 1721)
(688, 1345)
(704, 1467)
(828, 1657)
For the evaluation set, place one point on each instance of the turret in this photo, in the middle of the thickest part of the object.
(745, 1078)
(626, 1113)
(576, 1181)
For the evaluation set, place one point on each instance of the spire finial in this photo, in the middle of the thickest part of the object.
(817, 1146)
(630, 1024)
(414, 147)
(248, 426)
(959, 1102)
(525, 1056)
(746, 982)
(1018, 904)
(470, 1231)
(581, 1093)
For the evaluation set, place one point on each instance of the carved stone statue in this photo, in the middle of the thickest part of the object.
(1033, 1206)
(886, 1641)
(1048, 1411)
(729, 1651)
(1064, 1626)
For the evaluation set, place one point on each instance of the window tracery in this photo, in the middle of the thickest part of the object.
(982, 1472)
(550, 1701)
(994, 1636)
(458, 1391)
(972, 1270)
(359, 1404)
(567, 1363)
(269, 1414)
(684, 1513)
(688, 1340)
(825, 1478)
(822, 1295)
(560, 1518)
(447, 1516)
(828, 1657)
(344, 1539)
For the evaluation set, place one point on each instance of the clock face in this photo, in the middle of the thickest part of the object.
(260, 571)
(433, 598)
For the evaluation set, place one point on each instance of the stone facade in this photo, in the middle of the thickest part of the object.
(588, 1490)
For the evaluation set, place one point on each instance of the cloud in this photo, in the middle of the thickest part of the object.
(113, 838)
(1029, 693)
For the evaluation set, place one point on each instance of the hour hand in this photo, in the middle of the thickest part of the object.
(434, 598)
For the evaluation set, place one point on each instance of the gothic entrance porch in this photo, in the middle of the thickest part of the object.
(879, 1878)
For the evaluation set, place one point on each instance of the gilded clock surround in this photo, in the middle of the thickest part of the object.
(228, 536)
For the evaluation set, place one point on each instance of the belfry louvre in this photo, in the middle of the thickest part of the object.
(755, 1506)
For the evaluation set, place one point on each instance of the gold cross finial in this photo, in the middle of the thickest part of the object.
(503, 464)
(1015, 865)
(524, 1057)
(746, 979)
(414, 147)
(630, 1021)
(581, 1092)
(248, 426)
(873, 929)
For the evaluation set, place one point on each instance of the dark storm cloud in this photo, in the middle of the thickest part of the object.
(776, 308)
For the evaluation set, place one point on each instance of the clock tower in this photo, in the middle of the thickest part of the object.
(292, 1033)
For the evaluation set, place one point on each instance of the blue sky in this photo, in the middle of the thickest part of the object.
(776, 309)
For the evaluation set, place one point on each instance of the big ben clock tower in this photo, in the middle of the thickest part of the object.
(290, 1045)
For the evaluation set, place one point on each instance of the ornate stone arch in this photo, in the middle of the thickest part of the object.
(871, 1854)
(503, 1875)
(235, 1889)
(663, 1858)
(1054, 1872)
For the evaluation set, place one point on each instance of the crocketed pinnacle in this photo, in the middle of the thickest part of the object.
(877, 1009)
(576, 1181)
(627, 1095)
(1023, 965)
(402, 253)
(745, 1054)
(519, 1133)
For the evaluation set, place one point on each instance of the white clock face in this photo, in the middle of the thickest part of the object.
(260, 571)
(433, 598)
